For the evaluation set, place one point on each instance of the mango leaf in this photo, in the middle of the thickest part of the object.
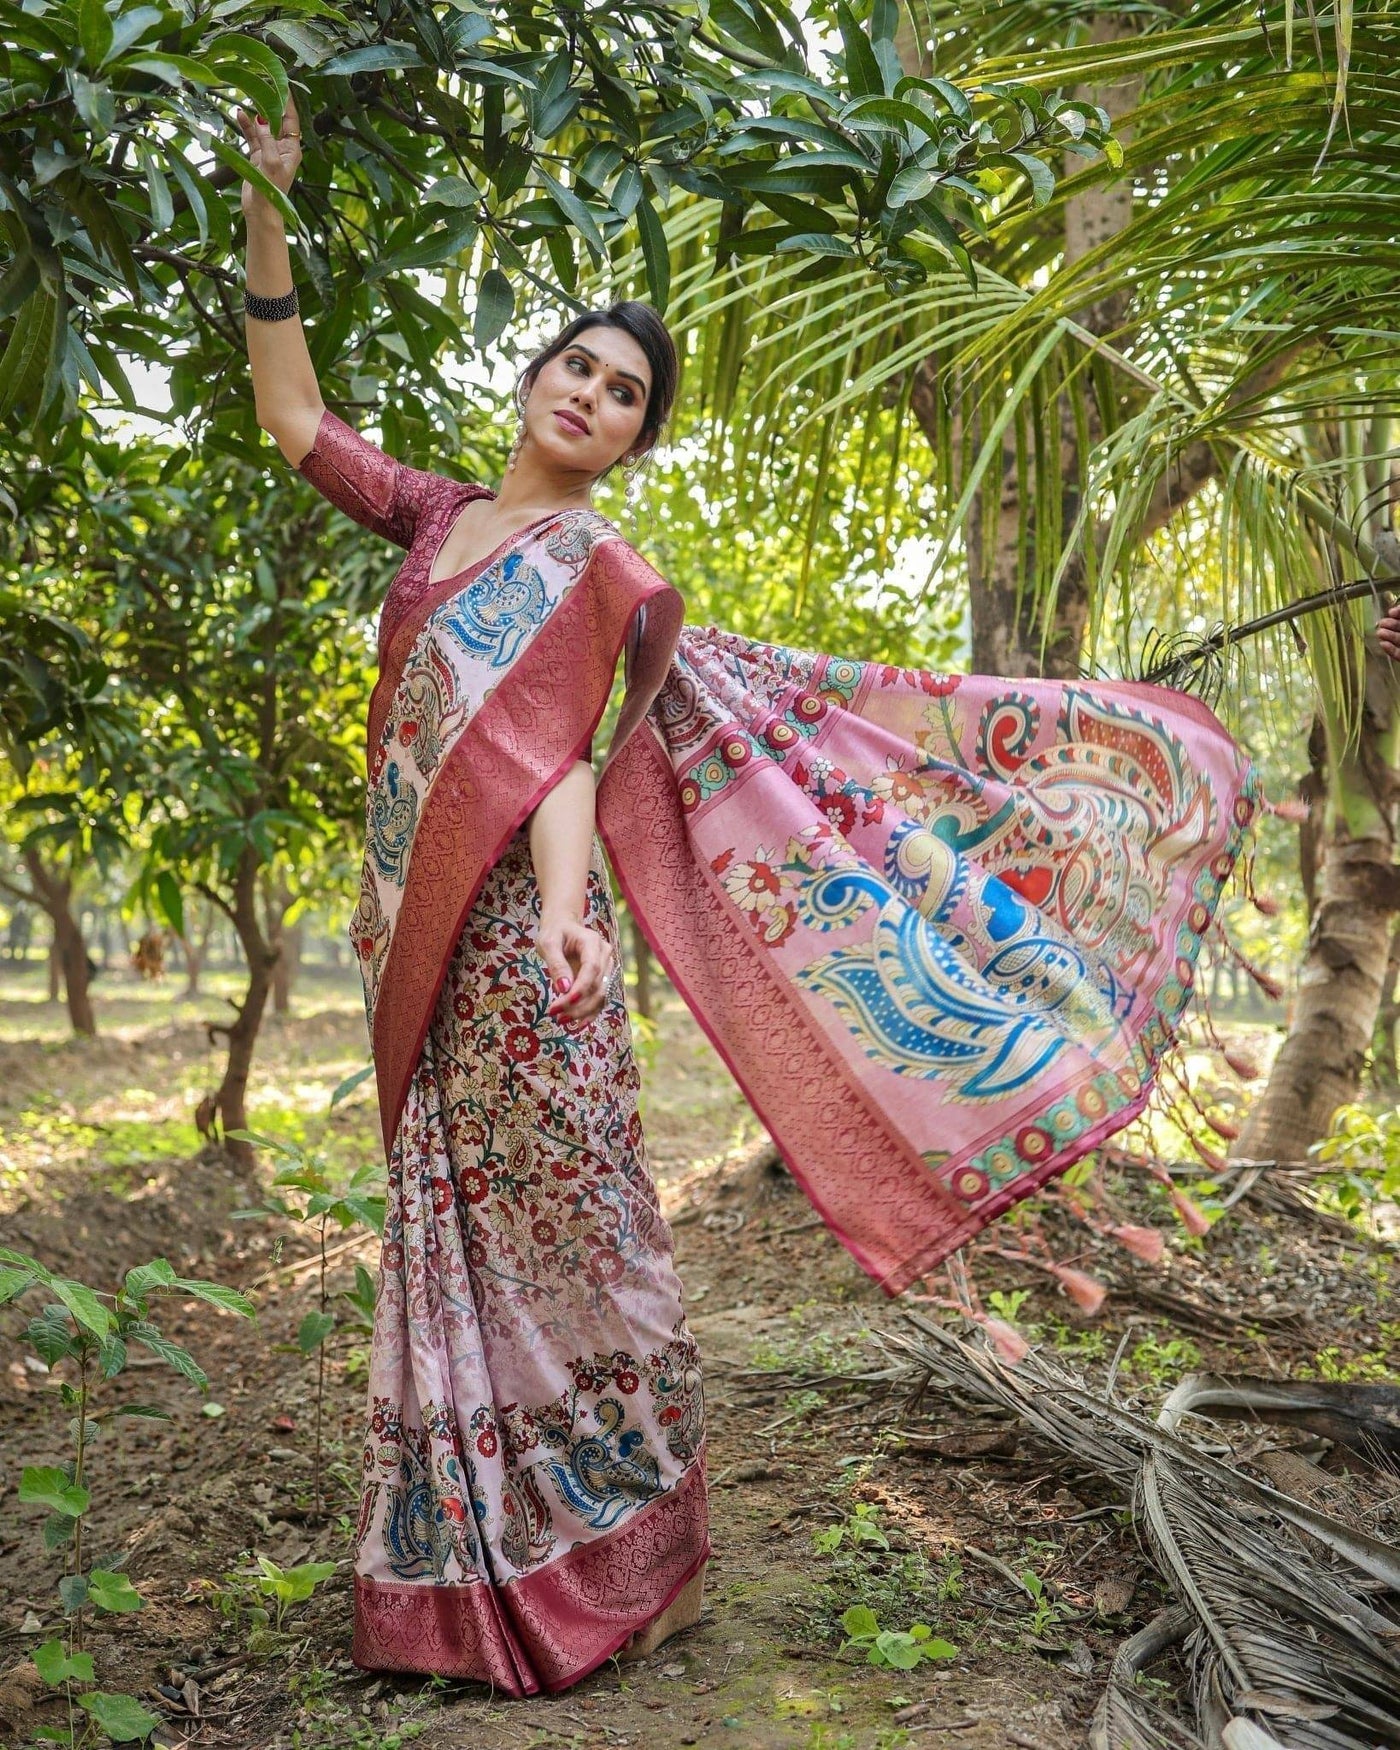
(376, 58)
(863, 74)
(171, 901)
(94, 32)
(130, 26)
(95, 103)
(348, 1086)
(253, 68)
(452, 191)
(495, 305)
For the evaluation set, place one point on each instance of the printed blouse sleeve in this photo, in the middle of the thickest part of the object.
(368, 485)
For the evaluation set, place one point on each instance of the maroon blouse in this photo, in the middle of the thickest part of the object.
(408, 506)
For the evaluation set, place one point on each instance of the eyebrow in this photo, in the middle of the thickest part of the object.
(579, 347)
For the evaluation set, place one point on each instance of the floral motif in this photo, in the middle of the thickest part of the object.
(521, 1214)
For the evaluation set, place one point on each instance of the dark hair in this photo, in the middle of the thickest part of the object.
(654, 338)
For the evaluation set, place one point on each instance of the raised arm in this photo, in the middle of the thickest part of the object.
(354, 474)
(286, 394)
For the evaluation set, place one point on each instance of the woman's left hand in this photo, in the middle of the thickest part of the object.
(579, 961)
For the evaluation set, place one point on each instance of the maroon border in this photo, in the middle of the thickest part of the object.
(519, 744)
(539, 1632)
(796, 1105)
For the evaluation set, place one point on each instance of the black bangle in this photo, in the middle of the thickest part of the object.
(271, 309)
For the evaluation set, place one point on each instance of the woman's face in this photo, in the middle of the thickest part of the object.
(587, 404)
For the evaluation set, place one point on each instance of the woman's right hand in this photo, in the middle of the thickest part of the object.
(1388, 631)
(277, 157)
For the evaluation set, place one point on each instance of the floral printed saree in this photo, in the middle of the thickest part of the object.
(941, 928)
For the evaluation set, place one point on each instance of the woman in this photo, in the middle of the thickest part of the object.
(942, 929)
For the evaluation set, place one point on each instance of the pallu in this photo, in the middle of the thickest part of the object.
(941, 928)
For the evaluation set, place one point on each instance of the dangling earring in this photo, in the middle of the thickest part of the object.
(519, 432)
(631, 472)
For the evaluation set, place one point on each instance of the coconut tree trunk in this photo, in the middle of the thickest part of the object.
(1385, 1060)
(1344, 976)
(1009, 631)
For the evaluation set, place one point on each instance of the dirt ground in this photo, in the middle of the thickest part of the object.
(99, 1171)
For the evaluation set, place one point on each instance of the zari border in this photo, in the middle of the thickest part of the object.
(516, 748)
(803, 1092)
(549, 1629)
(858, 1172)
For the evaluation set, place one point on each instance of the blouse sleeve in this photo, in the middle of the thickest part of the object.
(368, 485)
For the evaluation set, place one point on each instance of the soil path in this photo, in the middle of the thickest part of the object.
(938, 1513)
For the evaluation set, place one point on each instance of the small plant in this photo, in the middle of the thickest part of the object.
(861, 1528)
(1007, 1305)
(306, 1192)
(1157, 1363)
(899, 1650)
(1045, 1612)
(88, 1333)
(284, 1586)
(1363, 1148)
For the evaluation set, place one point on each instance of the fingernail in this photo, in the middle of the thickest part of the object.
(263, 119)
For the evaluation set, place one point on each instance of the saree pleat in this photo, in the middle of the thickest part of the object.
(533, 1482)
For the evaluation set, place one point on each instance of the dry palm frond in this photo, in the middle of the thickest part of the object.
(1293, 1646)
(1125, 1718)
(1363, 1418)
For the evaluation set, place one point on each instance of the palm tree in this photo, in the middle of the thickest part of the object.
(1197, 331)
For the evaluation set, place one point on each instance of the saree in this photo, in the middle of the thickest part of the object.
(941, 929)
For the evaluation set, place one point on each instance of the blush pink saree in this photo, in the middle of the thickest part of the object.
(941, 929)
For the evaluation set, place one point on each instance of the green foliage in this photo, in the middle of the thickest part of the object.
(861, 1529)
(308, 1192)
(424, 135)
(897, 1649)
(284, 1586)
(86, 1333)
(1362, 1151)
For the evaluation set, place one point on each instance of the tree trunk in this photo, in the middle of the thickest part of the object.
(55, 971)
(230, 1102)
(288, 965)
(1343, 979)
(194, 952)
(1385, 1059)
(53, 890)
(1319, 1065)
(1010, 635)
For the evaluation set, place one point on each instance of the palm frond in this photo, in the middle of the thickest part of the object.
(1300, 1644)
